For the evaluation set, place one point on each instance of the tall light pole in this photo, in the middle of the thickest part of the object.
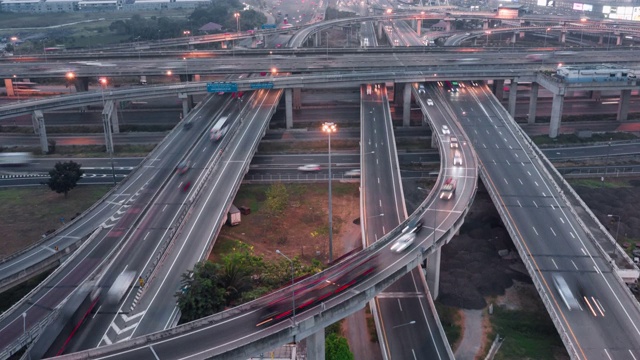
(186, 68)
(617, 217)
(24, 322)
(488, 33)
(606, 162)
(103, 83)
(293, 291)
(330, 127)
(545, 36)
(237, 16)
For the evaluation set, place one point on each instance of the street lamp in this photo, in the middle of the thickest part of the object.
(617, 217)
(606, 162)
(488, 33)
(186, 68)
(330, 127)
(409, 323)
(103, 83)
(545, 36)
(24, 322)
(237, 16)
(293, 291)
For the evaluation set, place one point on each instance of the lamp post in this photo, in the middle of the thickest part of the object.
(488, 33)
(330, 127)
(103, 83)
(409, 323)
(606, 162)
(186, 68)
(237, 16)
(582, 20)
(24, 322)
(293, 291)
(617, 217)
(545, 36)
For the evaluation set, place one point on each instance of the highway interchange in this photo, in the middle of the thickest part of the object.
(152, 189)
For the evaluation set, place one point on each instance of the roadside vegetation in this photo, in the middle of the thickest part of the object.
(566, 139)
(451, 323)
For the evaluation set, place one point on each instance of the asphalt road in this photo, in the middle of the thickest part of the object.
(606, 325)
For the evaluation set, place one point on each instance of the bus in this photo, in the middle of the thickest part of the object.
(219, 129)
(24, 87)
(123, 282)
(451, 86)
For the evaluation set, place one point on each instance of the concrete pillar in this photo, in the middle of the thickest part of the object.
(315, 346)
(485, 24)
(513, 37)
(106, 123)
(600, 39)
(434, 138)
(623, 106)
(81, 84)
(397, 97)
(498, 89)
(115, 123)
(521, 34)
(379, 29)
(619, 39)
(596, 95)
(187, 103)
(533, 102)
(433, 272)
(406, 106)
(563, 36)
(8, 84)
(447, 26)
(38, 120)
(513, 93)
(288, 108)
(297, 101)
(419, 27)
(556, 115)
(316, 40)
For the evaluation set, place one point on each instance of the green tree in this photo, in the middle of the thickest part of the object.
(337, 348)
(64, 177)
(201, 294)
(277, 199)
(237, 269)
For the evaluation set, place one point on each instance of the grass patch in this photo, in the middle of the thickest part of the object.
(35, 211)
(450, 319)
(574, 139)
(528, 334)
(371, 325)
(17, 292)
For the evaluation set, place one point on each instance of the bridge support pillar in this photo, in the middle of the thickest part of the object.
(556, 115)
(8, 84)
(448, 26)
(316, 40)
(419, 27)
(81, 84)
(433, 272)
(110, 110)
(623, 106)
(288, 105)
(513, 93)
(563, 37)
(619, 39)
(533, 102)
(39, 128)
(406, 105)
(315, 346)
(379, 29)
(106, 124)
(187, 103)
(297, 100)
(498, 89)
(513, 37)
(485, 24)
(434, 138)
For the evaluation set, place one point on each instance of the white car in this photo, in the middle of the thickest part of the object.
(421, 90)
(429, 102)
(352, 173)
(309, 167)
(403, 242)
(445, 130)
(457, 158)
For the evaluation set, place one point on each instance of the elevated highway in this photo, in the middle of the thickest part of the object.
(551, 239)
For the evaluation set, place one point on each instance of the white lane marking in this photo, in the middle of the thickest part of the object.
(534, 203)
(516, 154)
(97, 311)
(584, 252)
(586, 300)
(505, 180)
(399, 305)
(528, 172)
(596, 269)
(384, 231)
(573, 236)
(600, 306)
(380, 201)
(107, 340)
(543, 194)
(129, 318)
(519, 203)
(535, 182)
(554, 264)
(415, 358)
(634, 358)
(534, 229)
(378, 180)
(508, 163)
(520, 182)
(165, 207)
(554, 233)
(574, 265)
(606, 352)
(145, 237)
(561, 219)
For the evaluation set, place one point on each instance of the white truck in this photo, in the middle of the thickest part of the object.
(233, 216)
(219, 129)
(123, 282)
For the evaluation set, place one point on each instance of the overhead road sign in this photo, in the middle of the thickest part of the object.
(261, 85)
(268, 26)
(219, 86)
